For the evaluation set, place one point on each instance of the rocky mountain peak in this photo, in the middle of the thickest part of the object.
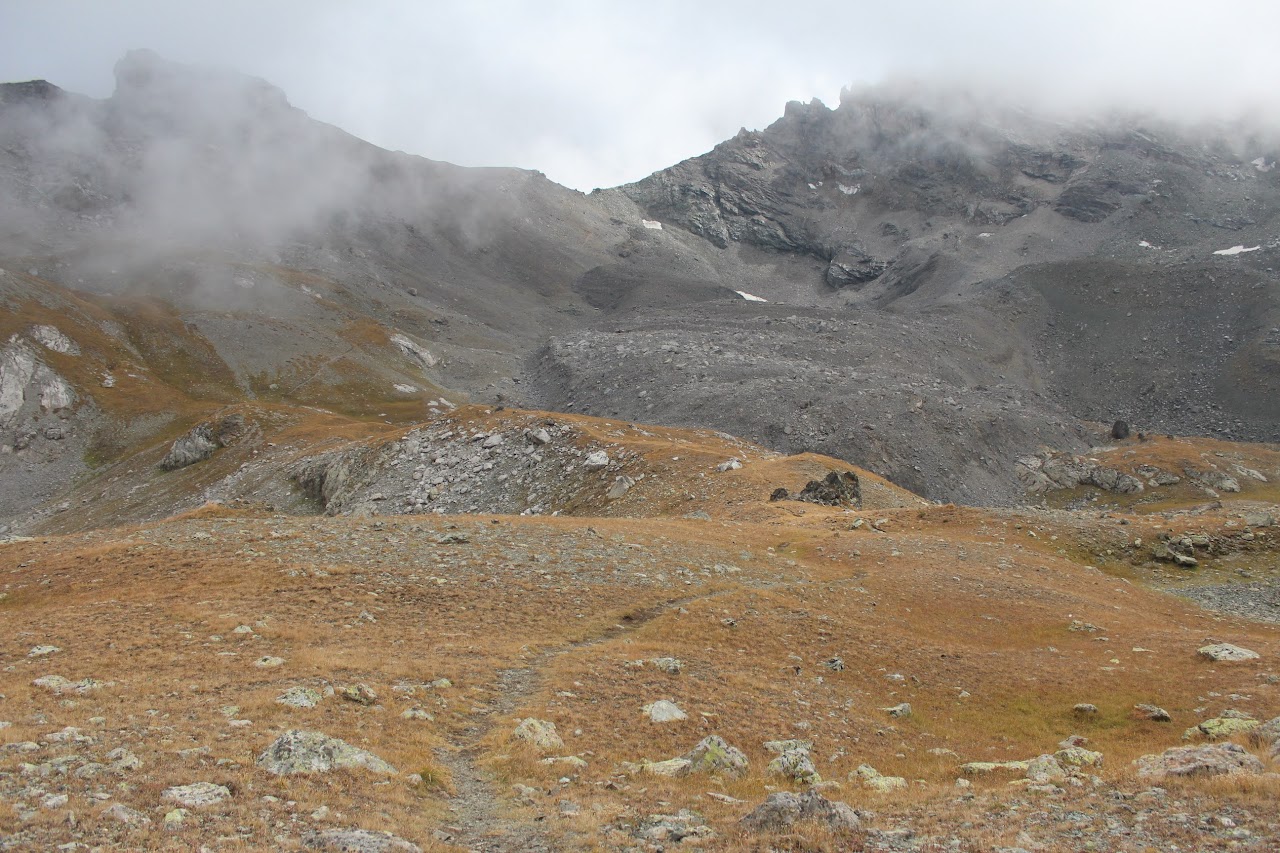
(179, 97)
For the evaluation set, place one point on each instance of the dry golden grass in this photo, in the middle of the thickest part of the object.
(959, 611)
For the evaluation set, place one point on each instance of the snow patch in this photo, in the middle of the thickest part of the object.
(749, 297)
(1236, 250)
(1262, 165)
(405, 389)
(853, 190)
(651, 224)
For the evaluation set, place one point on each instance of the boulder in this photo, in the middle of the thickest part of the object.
(796, 765)
(1266, 734)
(714, 755)
(1078, 756)
(541, 733)
(836, 489)
(297, 751)
(596, 460)
(1219, 759)
(1153, 713)
(663, 711)
(781, 811)
(1227, 652)
(1221, 728)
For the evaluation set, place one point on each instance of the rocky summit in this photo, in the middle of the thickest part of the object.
(902, 476)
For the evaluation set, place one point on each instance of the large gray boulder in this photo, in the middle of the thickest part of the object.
(297, 751)
(1219, 759)
(783, 810)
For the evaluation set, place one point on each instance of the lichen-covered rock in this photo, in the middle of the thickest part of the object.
(714, 755)
(981, 768)
(197, 794)
(670, 767)
(876, 781)
(297, 751)
(783, 810)
(361, 694)
(1219, 759)
(1045, 769)
(1078, 756)
(684, 825)
(357, 841)
(299, 697)
(540, 733)
(796, 765)
(1221, 728)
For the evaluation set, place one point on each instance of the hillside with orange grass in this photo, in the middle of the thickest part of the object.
(427, 638)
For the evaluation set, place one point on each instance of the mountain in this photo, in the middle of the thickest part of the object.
(940, 286)
(355, 501)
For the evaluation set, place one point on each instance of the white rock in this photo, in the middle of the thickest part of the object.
(663, 711)
(596, 460)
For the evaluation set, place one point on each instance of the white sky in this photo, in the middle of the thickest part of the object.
(602, 93)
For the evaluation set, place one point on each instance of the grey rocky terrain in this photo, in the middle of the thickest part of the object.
(925, 285)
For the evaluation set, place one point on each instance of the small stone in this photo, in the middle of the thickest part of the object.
(596, 460)
(729, 465)
(901, 710)
(671, 666)
(174, 820)
(42, 651)
(540, 437)
(268, 662)
(1086, 709)
(242, 629)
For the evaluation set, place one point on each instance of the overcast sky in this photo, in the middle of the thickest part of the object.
(601, 93)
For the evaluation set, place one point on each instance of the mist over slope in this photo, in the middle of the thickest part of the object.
(947, 285)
